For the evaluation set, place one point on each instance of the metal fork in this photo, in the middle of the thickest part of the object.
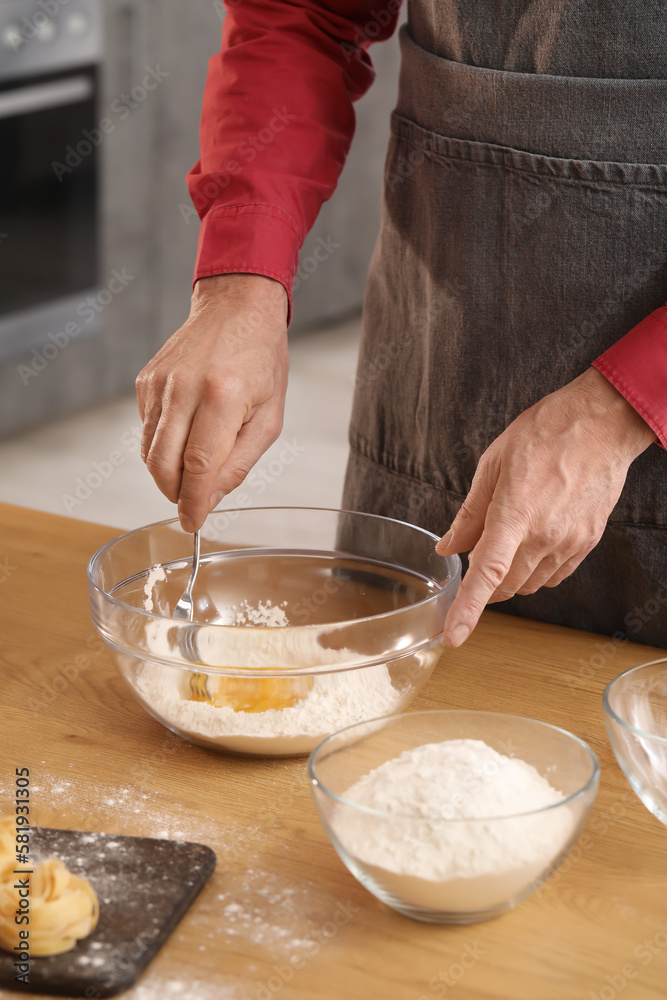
(185, 608)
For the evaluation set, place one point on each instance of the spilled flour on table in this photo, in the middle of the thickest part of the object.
(154, 987)
(243, 906)
(113, 807)
(268, 910)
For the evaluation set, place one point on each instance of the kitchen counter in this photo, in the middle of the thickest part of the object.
(281, 916)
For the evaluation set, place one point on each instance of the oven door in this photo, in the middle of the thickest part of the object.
(48, 190)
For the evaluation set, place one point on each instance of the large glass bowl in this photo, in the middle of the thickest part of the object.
(635, 708)
(365, 598)
(429, 862)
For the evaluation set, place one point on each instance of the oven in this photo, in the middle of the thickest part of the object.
(50, 137)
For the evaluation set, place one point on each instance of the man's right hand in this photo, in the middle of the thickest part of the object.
(212, 398)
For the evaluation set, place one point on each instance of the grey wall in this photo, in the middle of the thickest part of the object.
(185, 36)
(103, 359)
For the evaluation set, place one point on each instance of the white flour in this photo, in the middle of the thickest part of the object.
(264, 614)
(155, 575)
(334, 701)
(453, 857)
(270, 615)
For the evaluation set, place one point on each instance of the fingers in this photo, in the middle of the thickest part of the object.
(164, 457)
(200, 494)
(540, 500)
(524, 566)
(494, 554)
(164, 439)
(500, 566)
(215, 426)
(566, 569)
(151, 419)
(491, 562)
(150, 409)
(168, 408)
(549, 571)
(504, 562)
(468, 525)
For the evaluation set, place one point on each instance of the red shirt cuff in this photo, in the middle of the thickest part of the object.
(636, 365)
(249, 239)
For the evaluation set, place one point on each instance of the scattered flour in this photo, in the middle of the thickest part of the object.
(155, 575)
(270, 911)
(265, 614)
(268, 614)
(452, 839)
(132, 808)
(154, 987)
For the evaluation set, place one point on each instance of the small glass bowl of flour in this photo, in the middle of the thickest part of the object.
(453, 816)
(306, 621)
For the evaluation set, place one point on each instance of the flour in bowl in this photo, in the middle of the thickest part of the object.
(266, 614)
(155, 575)
(334, 700)
(453, 839)
(269, 715)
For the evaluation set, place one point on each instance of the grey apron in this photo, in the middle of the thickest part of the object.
(524, 231)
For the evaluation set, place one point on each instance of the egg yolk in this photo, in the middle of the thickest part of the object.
(249, 694)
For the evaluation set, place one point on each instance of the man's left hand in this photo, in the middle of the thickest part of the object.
(541, 495)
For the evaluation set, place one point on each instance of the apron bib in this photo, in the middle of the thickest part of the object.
(524, 230)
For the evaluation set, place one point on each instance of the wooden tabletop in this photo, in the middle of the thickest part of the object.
(282, 917)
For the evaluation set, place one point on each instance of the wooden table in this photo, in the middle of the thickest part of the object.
(282, 917)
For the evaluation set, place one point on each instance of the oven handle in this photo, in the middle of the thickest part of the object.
(45, 95)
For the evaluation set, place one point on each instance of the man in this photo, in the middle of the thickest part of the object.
(519, 278)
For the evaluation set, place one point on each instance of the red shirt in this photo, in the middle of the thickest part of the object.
(277, 123)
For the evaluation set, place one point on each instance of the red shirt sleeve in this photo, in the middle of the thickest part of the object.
(277, 123)
(637, 366)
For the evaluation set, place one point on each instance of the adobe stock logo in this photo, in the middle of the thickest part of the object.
(254, 144)
(121, 108)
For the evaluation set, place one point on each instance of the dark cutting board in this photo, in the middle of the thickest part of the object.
(144, 887)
